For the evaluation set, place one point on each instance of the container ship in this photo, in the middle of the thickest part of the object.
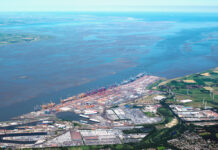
(94, 120)
(132, 78)
(68, 99)
(101, 90)
(84, 116)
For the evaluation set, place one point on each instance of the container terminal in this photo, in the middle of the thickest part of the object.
(92, 118)
(93, 109)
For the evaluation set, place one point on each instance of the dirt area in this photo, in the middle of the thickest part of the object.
(208, 88)
(189, 81)
(172, 123)
(207, 74)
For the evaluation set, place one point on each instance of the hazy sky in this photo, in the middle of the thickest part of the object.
(110, 5)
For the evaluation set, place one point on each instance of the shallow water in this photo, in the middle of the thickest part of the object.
(91, 50)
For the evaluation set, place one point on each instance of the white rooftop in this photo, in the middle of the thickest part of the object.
(159, 97)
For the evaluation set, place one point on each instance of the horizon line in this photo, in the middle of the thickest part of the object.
(109, 11)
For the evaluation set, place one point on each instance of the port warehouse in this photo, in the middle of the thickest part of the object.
(191, 114)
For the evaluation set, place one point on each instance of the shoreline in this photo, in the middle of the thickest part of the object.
(42, 99)
(88, 96)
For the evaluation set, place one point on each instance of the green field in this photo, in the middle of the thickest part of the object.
(149, 114)
(198, 87)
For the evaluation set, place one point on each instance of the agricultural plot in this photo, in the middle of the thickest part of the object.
(201, 88)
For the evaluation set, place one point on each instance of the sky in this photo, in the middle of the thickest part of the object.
(109, 5)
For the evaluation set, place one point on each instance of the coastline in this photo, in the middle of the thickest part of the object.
(19, 109)
(141, 79)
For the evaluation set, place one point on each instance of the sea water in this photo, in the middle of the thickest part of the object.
(86, 51)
